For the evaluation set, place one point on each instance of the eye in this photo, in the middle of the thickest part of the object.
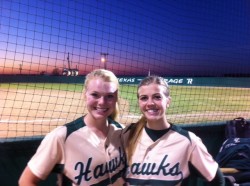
(157, 97)
(110, 96)
(95, 95)
(143, 98)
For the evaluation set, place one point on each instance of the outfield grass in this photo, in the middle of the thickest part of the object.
(43, 86)
(189, 103)
(198, 99)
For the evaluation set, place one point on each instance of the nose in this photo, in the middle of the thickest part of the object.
(151, 102)
(101, 100)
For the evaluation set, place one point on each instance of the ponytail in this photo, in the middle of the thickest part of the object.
(134, 135)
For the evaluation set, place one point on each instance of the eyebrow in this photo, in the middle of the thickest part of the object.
(94, 91)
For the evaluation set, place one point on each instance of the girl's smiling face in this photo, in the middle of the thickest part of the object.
(101, 98)
(153, 101)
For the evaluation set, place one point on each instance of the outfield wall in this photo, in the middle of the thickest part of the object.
(242, 82)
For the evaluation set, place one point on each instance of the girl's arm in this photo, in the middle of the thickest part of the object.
(28, 178)
(218, 180)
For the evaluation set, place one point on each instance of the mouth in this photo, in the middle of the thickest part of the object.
(101, 109)
(152, 111)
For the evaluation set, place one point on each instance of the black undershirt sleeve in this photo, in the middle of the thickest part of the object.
(218, 180)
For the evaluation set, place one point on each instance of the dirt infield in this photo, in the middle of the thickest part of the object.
(36, 112)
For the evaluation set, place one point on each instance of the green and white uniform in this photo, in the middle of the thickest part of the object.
(81, 156)
(166, 160)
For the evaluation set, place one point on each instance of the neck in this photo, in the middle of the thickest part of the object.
(158, 125)
(99, 126)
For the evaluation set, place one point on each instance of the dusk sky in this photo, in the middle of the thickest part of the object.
(167, 37)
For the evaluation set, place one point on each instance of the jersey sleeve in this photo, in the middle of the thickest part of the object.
(201, 159)
(49, 153)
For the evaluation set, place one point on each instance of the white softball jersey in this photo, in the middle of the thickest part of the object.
(81, 156)
(166, 161)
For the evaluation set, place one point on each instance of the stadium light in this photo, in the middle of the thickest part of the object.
(104, 59)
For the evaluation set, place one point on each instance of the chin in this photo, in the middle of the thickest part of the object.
(98, 116)
(101, 116)
(152, 118)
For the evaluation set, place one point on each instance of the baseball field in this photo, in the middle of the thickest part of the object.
(31, 109)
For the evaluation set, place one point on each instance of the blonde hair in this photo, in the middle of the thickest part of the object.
(136, 128)
(107, 76)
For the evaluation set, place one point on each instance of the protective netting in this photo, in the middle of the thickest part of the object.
(202, 48)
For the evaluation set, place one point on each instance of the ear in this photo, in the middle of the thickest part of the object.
(168, 101)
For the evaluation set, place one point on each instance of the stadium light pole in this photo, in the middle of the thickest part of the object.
(20, 68)
(104, 59)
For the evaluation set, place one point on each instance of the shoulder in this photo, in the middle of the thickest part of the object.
(57, 133)
(128, 128)
(53, 140)
(115, 124)
(115, 129)
(180, 131)
(74, 126)
(62, 132)
(193, 138)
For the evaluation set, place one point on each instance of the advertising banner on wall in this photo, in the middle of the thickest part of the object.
(134, 80)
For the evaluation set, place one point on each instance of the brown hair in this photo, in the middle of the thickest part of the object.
(107, 76)
(136, 129)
